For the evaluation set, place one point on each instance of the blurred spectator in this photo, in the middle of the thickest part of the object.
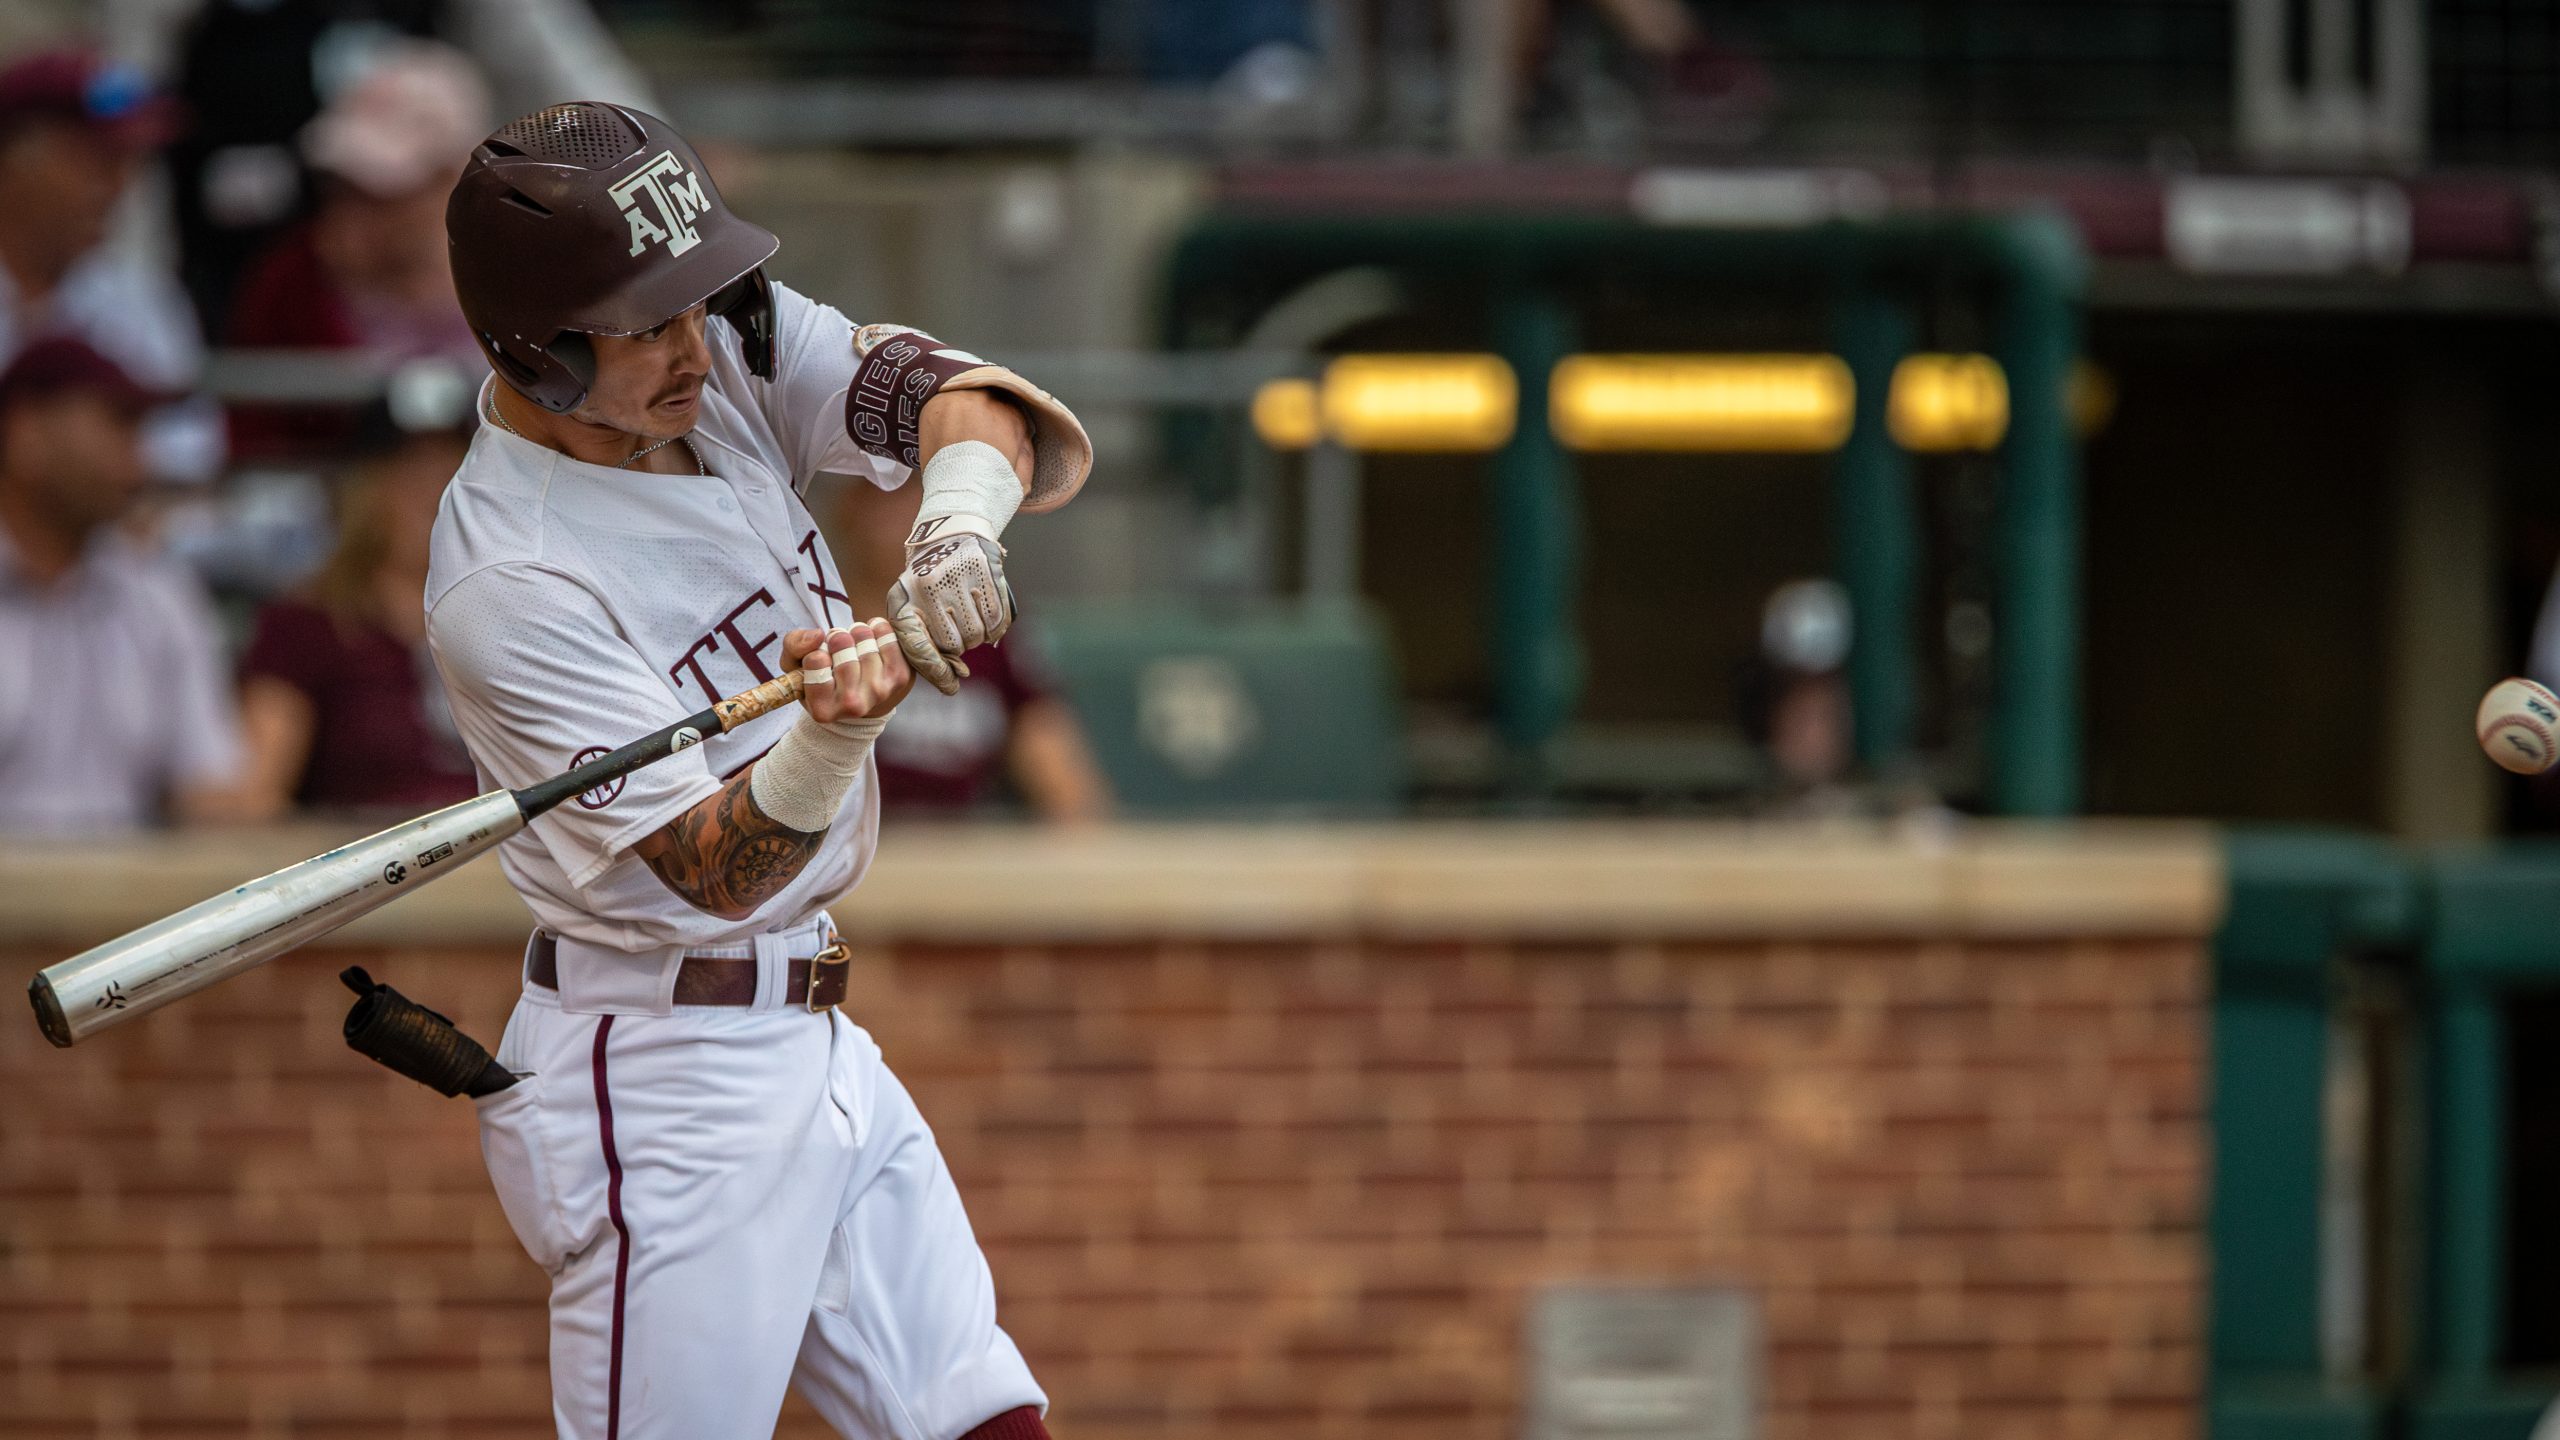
(74, 131)
(255, 73)
(368, 271)
(113, 706)
(1598, 66)
(1801, 696)
(1007, 722)
(334, 694)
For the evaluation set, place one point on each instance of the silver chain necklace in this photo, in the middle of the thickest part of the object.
(629, 460)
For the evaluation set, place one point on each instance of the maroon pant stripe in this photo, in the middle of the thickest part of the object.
(622, 1252)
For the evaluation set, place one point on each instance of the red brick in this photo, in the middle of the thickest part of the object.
(1271, 1189)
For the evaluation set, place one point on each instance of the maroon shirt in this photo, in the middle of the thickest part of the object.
(288, 300)
(381, 737)
(943, 752)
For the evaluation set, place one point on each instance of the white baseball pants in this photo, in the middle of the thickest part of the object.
(733, 1201)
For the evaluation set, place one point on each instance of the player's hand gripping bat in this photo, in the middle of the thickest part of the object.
(254, 923)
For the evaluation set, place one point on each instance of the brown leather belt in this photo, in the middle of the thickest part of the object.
(721, 979)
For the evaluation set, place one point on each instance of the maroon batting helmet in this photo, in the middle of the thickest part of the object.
(592, 219)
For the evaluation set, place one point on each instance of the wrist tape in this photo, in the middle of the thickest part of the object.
(967, 480)
(801, 783)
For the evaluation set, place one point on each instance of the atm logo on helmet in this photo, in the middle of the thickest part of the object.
(675, 193)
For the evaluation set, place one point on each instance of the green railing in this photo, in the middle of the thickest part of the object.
(2416, 1345)
(2303, 906)
(2489, 941)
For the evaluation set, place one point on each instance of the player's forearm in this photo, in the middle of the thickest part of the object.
(725, 855)
(734, 851)
(982, 415)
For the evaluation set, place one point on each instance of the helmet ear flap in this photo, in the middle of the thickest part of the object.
(747, 303)
(577, 355)
(510, 369)
(555, 375)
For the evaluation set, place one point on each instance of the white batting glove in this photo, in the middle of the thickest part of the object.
(953, 596)
(942, 672)
(952, 599)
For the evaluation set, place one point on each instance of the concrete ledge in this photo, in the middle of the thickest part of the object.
(1563, 880)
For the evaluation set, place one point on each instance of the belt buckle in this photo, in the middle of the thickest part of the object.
(836, 953)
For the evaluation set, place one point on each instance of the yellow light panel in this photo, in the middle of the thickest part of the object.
(1942, 403)
(1939, 403)
(1789, 403)
(1420, 402)
(1285, 414)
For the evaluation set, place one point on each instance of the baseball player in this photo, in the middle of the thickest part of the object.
(730, 1191)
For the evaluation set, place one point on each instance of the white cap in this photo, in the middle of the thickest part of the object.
(1805, 625)
(408, 123)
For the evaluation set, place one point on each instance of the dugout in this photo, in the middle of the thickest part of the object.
(1518, 585)
(2178, 551)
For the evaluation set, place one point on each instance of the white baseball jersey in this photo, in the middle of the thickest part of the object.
(574, 608)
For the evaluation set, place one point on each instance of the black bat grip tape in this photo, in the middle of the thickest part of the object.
(389, 1027)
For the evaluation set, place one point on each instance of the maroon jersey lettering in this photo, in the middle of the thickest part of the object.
(728, 635)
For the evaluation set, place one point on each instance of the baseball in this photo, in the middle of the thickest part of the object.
(2516, 722)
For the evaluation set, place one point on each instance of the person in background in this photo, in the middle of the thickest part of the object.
(368, 272)
(1688, 79)
(1799, 695)
(114, 709)
(334, 691)
(255, 73)
(942, 754)
(74, 131)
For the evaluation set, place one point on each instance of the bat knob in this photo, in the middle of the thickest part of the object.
(49, 1012)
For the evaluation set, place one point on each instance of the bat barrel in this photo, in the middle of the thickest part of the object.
(253, 923)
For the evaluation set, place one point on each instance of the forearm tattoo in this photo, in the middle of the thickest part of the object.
(725, 855)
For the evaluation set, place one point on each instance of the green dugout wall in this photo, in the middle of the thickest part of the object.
(2304, 905)
(2463, 937)
(2490, 943)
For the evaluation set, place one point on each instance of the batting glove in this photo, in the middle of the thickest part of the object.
(952, 598)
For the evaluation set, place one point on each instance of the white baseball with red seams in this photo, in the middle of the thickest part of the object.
(2516, 723)
(730, 1201)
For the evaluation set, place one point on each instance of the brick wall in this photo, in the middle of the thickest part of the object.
(1259, 1190)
